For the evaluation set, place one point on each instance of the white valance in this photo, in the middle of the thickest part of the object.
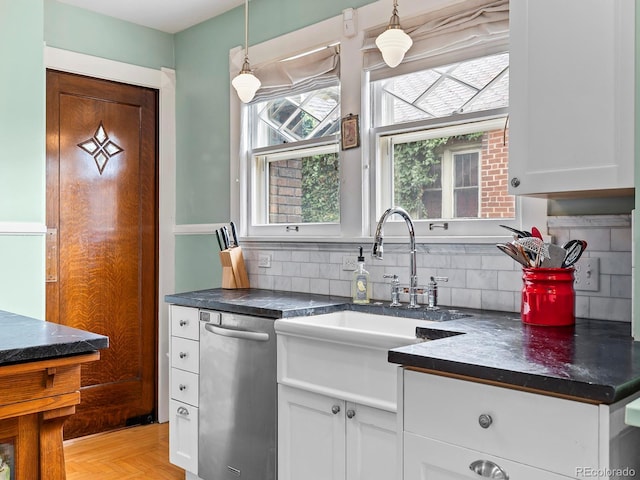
(471, 28)
(300, 73)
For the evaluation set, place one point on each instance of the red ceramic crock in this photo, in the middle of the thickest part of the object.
(548, 297)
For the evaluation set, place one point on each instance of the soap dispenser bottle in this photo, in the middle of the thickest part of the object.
(360, 287)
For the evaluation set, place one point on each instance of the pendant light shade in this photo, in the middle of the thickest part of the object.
(393, 42)
(246, 83)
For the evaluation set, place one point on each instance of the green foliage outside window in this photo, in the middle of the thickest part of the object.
(413, 171)
(321, 189)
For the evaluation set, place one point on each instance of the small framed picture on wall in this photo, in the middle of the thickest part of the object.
(350, 132)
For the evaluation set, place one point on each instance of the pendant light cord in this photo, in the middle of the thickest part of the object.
(246, 30)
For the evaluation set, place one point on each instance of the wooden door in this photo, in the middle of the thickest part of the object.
(102, 241)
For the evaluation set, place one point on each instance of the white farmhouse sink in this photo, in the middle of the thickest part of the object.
(344, 355)
(357, 328)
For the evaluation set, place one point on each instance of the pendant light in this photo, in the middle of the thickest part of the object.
(394, 42)
(246, 83)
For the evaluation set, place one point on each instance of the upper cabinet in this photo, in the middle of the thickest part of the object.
(572, 88)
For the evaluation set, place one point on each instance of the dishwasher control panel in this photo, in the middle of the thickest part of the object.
(210, 317)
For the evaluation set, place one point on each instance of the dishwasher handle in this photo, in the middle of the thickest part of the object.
(237, 333)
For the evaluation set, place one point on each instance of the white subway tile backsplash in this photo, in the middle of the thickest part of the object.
(319, 285)
(479, 275)
(467, 298)
(482, 279)
(510, 280)
(309, 270)
(499, 300)
(621, 239)
(607, 308)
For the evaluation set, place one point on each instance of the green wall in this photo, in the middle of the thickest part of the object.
(24, 27)
(202, 99)
(22, 173)
(78, 30)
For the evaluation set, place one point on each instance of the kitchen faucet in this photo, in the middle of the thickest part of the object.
(377, 250)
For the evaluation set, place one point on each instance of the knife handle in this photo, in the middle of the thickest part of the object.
(225, 236)
(218, 238)
(234, 233)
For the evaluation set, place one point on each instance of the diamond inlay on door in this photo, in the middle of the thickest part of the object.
(100, 147)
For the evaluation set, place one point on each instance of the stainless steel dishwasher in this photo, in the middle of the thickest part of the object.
(237, 435)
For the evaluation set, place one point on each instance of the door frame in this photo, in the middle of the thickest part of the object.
(163, 80)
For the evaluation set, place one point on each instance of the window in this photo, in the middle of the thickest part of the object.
(440, 137)
(433, 131)
(295, 160)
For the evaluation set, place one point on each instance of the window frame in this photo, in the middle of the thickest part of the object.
(359, 210)
(259, 186)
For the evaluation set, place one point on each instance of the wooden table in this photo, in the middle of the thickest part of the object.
(40, 365)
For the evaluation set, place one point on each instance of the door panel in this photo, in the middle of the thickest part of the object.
(101, 198)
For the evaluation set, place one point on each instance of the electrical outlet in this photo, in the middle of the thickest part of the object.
(264, 260)
(587, 274)
(349, 262)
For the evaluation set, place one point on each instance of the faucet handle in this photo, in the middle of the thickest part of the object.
(393, 277)
(395, 289)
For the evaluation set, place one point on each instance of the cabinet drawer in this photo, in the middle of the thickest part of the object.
(426, 459)
(185, 354)
(184, 322)
(184, 386)
(183, 436)
(524, 427)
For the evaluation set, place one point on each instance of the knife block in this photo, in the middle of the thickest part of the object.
(234, 272)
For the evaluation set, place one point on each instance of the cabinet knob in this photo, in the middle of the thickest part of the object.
(488, 469)
(183, 411)
(183, 355)
(335, 409)
(515, 182)
(182, 387)
(184, 323)
(485, 420)
(351, 413)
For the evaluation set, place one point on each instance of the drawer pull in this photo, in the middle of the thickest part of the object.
(184, 323)
(183, 411)
(183, 355)
(485, 420)
(335, 409)
(182, 387)
(351, 413)
(488, 469)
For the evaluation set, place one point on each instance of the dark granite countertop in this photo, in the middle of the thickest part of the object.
(595, 360)
(260, 303)
(26, 339)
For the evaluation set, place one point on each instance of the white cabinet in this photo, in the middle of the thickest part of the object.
(324, 438)
(183, 387)
(337, 402)
(453, 428)
(571, 125)
(428, 459)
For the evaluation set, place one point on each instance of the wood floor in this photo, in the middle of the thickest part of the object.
(134, 453)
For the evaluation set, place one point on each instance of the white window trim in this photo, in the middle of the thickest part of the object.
(357, 210)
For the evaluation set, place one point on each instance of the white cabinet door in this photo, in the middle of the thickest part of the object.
(427, 459)
(571, 95)
(183, 435)
(371, 443)
(311, 436)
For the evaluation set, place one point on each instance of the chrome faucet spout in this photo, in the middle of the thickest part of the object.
(377, 249)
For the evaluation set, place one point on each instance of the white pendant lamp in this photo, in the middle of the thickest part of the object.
(394, 42)
(246, 83)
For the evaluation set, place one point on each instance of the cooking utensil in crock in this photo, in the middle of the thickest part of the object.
(574, 249)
